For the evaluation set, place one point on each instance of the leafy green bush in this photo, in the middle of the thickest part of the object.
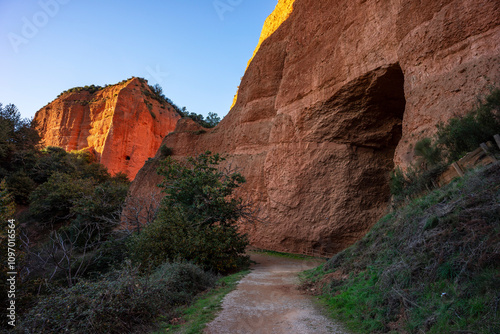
(413, 182)
(452, 141)
(171, 237)
(465, 134)
(118, 303)
(17, 136)
(53, 202)
(21, 186)
(430, 154)
(211, 121)
(197, 219)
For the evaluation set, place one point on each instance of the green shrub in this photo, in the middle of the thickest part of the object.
(430, 154)
(165, 151)
(53, 202)
(465, 134)
(197, 219)
(171, 236)
(21, 186)
(413, 182)
(120, 302)
(452, 141)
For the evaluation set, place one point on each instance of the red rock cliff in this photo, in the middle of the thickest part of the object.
(122, 123)
(333, 99)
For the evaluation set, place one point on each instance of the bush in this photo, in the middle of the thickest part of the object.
(54, 201)
(165, 151)
(197, 219)
(452, 141)
(171, 236)
(465, 134)
(414, 182)
(21, 186)
(119, 302)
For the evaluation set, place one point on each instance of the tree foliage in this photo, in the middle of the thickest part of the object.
(464, 134)
(452, 141)
(197, 219)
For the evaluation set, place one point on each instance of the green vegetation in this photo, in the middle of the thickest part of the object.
(431, 266)
(165, 151)
(197, 218)
(193, 319)
(74, 269)
(211, 121)
(462, 135)
(284, 255)
(156, 92)
(91, 89)
(452, 141)
(119, 302)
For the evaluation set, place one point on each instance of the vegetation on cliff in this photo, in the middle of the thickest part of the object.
(156, 92)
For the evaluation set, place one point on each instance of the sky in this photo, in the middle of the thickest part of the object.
(197, 50)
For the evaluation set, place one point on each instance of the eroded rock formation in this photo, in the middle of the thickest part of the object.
(123, 124)
(337, 96)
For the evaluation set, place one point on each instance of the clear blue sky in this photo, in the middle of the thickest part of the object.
(197, 50)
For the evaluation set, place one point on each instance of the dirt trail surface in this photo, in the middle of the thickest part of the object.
(267, 302)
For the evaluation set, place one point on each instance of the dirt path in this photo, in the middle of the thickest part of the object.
(267, 302)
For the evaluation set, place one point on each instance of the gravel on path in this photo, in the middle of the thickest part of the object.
(267, 301)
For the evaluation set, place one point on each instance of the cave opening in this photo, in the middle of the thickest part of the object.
(366, 116)
(127, 157)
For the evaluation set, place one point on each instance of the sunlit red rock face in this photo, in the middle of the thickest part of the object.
(121, 123)
(334, 98)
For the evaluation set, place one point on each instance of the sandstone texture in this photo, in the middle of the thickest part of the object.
(334, 98)
(122, 124)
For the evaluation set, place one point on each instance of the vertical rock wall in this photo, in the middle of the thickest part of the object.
(337, 96)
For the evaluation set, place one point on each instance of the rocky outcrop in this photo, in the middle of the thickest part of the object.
(123, 124)
(334, 98)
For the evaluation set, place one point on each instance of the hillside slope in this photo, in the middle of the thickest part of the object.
(431, 266)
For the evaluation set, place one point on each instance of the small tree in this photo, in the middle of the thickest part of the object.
(212, 120)
(197, 219)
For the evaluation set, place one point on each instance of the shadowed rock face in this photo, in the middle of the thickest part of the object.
(122, 125)
(333, 99)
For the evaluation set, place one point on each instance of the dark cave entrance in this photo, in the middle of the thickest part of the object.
(366, 115)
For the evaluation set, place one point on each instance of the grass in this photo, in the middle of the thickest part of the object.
(194, 318)
(284, 255)
(431, 266)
